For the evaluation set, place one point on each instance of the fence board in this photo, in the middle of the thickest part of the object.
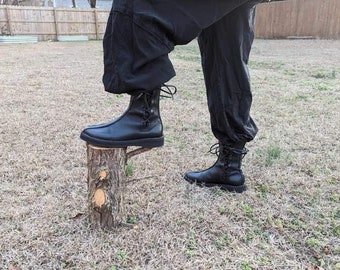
(315, 18)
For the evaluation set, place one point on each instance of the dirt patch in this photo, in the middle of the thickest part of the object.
(288, 218)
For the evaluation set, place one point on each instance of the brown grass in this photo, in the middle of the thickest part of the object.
(288, 218)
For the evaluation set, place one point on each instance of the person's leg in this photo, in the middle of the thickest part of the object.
(138, 38)
(225, 47)
(141, 33)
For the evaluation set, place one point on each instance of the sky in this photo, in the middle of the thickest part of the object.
(105, 4)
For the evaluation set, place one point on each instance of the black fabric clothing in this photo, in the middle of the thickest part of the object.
(141, 33)
(225, 47)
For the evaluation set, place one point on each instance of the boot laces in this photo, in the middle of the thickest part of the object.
(227, 150)
(147, 109)
(169, 90)
(227, 156)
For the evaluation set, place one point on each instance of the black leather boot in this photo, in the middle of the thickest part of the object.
(226, 173)
(140, 125)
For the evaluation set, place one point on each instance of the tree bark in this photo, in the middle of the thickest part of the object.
(93, 3)
(106, 186)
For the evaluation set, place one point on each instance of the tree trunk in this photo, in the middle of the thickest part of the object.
(106, 186)
(93, 3)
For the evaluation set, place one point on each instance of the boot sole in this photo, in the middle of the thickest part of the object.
(230, 188)
(145, 142)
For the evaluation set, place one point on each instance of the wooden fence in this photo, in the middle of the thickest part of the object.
(48, 23)
(291, 18)
(299, 18)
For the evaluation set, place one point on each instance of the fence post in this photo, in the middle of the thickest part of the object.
(9, 22)
(96, 23)
(55, 23)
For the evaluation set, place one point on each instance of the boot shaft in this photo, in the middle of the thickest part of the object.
(146, 107)
(231, 155)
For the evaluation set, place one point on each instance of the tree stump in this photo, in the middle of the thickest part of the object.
(107, 185)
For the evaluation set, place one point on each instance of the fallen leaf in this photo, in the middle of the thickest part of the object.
(326, 250)
(311, 266)
(13, 267)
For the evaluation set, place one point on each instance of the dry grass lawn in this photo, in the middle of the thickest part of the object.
(288, 218)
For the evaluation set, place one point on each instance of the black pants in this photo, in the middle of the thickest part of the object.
(141, 33)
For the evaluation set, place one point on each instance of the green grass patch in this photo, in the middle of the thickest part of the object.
(129, 169)
(319, 85)
(245, 266)
(263, 190)
(222, 242)
(132, 219)
(325, 75)
(188, 58)
(248, 210)
(190, 244)
(312, 242)
(273, 65)
(270, 155)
